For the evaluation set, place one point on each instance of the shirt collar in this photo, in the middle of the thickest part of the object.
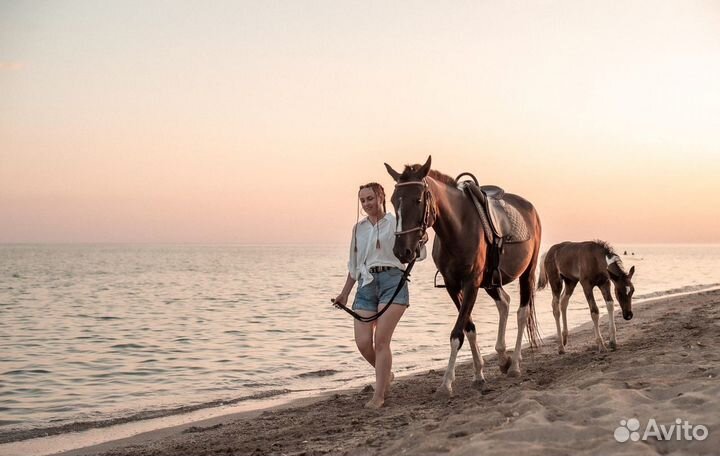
(367, 219)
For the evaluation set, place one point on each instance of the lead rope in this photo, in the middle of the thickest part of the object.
(371, 318)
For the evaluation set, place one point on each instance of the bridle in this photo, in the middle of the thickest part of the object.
(428, 209)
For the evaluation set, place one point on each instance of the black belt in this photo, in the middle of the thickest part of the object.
(376, 269)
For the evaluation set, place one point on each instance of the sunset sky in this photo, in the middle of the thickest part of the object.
(255, 122)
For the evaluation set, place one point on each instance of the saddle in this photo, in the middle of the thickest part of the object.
(503, 219)
(501, 222)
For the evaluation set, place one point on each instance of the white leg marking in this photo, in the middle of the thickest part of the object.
(477, 357)
(503, 309)
(611, 317)
(598, 335)
(517, 355)
(556, 314)
(446, 387)
(564, 301)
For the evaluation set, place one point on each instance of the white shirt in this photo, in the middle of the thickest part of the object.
(367, 254)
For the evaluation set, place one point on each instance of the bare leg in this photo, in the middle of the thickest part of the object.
(607, 296)
(595, 314)
(364, 337)
(383, 356)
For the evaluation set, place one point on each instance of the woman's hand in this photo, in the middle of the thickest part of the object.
(340, 300)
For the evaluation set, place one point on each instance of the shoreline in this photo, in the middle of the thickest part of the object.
(290, 405)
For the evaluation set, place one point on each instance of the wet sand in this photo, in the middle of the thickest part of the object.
(666, 368)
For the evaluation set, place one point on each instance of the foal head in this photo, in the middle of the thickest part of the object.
(413, 209)
(624, 288)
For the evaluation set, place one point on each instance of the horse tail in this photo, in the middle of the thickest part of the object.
(542, 276)
(533, 330)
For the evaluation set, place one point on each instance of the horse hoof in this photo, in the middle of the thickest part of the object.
(444, 392)
(561, 350)
(613, 345)
(504, 366)
(479, 381)
(515, 373)
(565, 338)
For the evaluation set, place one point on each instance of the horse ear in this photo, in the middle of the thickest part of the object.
(426, 167)
(631, 272)
(394, 174)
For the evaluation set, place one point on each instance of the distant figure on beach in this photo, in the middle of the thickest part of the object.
(374, 265)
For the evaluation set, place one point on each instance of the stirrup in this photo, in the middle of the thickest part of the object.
(435, 281)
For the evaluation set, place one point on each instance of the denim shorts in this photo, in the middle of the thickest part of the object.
(380, 290)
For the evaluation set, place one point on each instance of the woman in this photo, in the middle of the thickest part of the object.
(374, 265)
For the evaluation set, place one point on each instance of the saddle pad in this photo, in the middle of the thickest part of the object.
(505, 221)
(508, 222)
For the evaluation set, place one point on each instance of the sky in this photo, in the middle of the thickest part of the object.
(255, 122)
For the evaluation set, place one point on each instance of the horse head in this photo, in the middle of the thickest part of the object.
(624, 288)
(414, 209)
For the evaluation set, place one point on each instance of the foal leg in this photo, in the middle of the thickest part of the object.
(457, 336)
(556, 288)
(502, 301)
(564, 301)
(605, 290)
(595, 314)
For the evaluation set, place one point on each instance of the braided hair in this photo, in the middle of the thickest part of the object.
(378, 190)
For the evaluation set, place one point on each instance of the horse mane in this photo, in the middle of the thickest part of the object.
(437, 175)
(609, 250)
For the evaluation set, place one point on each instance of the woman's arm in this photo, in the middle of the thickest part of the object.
(343, 296)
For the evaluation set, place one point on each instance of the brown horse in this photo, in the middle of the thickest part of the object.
(593, 264)
(425, 198)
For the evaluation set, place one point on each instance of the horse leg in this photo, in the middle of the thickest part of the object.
(526, 290)
(502, 301)
(605, 290)
(469, 294)
(564, 301)
(478, 361)
(471, 334)
(595, 314)
(556, 287)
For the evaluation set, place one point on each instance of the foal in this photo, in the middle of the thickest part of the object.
(593, 264)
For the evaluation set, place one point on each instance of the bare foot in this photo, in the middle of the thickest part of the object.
(387, 389)
(375, 403)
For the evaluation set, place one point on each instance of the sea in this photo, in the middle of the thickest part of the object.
(104, 334)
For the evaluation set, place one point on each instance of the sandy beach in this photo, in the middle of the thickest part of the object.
(665, 369)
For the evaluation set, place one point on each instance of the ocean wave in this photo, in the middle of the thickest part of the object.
(18, 434)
